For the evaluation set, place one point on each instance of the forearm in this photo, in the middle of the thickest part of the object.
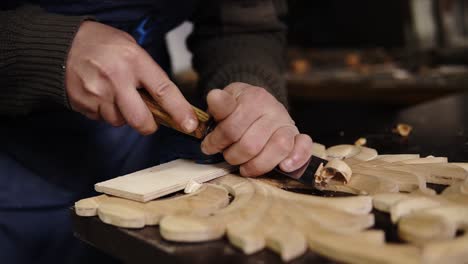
(234, 42)
(33, 52)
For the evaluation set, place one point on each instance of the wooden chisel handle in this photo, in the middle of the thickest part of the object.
(205, 122)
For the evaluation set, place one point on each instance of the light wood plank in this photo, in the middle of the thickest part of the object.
(157, 181)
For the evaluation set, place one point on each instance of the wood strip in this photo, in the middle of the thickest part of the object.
(397, 157)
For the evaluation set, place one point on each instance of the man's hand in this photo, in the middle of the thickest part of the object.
(104, 68)
(254, 131)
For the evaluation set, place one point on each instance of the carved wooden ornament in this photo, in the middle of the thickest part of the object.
(262, 216)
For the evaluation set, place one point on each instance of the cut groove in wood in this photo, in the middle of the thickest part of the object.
(361, 184)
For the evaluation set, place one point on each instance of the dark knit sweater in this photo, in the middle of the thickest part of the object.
(233, 41)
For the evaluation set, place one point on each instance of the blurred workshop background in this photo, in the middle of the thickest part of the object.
(355, 60)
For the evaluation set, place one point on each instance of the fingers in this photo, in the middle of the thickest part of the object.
(300, 154)
(166, 93)
(92, 115)
(254, 131)
(111, 114)
(104, 68)
(252, 142)
(277, 149)
(79, 99)
(237, 115)
(135, 111)
(230, 130)
(220, 104)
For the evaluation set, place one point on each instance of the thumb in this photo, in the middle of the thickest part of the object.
(220, 104)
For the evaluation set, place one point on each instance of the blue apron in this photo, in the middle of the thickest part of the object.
(49, 160)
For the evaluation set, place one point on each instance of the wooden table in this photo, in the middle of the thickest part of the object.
(440, 128)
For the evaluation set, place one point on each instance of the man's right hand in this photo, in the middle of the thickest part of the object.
(104, 68)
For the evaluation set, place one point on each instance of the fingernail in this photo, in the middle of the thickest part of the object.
(189, 125)
(288, 165)
(203, 148)
(242, 171)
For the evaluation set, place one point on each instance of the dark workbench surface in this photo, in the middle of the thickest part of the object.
(440, 129)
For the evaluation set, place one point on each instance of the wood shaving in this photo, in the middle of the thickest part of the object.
(360, 141)
(335, 168)
(192, 186)
(403, 129)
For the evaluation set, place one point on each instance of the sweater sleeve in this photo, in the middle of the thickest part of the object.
(34, 47)
(240, 41)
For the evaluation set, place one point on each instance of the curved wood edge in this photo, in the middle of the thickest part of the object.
(131, 214)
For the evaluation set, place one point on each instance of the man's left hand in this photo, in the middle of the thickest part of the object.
(254, 131)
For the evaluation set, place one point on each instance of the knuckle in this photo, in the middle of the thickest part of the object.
(136, 121)
(231, 158)
(140, 127)
(307, 147)
(115, 121)
(308, 140)
(144, 128)
(251, 170)
(260, 95)
(211, 142)
(106, 70)
(92, 116)
(96, 90)
(163, 89)
(127, 36)
(112, 122)
(283, 143)
(147, 130)
(87, 108)
(130, 53)
(295, 159)
(237, 88)
(237, 84)
(229, 134)
(260, 92)
(283, 109)
(234, 85)
(251, 148)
